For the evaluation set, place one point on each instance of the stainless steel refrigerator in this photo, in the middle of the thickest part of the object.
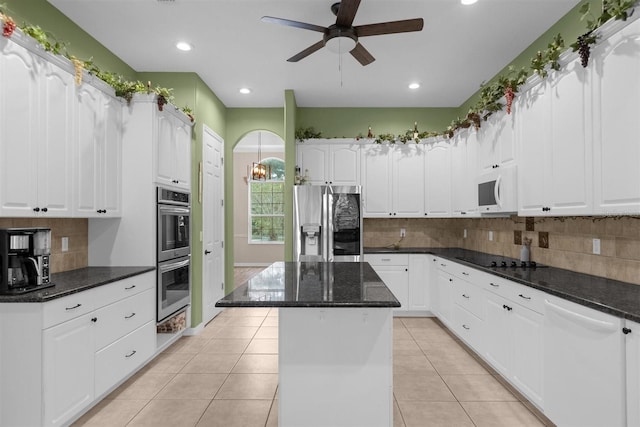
(327, 223)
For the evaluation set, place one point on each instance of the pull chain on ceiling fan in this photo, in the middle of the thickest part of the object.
(343, 35)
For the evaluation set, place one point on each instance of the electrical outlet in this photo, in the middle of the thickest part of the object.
(464, 234)
(596, 246)
(491, 236)
(403, 232)
(65, 244)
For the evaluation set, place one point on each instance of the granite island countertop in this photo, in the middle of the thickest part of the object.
(73, 281)
(614, 297)
(313, 284)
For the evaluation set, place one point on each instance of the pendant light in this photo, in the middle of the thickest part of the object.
(260, 171)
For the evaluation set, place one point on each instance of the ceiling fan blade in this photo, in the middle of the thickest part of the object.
(362, 55)
(308, 51)
(347, 12)
(290, 23)
(391, 27)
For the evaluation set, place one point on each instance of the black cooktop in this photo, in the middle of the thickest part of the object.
(500, 262)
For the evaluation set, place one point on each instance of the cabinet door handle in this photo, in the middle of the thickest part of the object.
(129, 316)
(130, 354)
(94, 319)
(443, 265)
(129, 287)
(506, 307)
(451, 280)
(626, 331)
(36, 209)
(207, 252)
(465, 296)
(74, 307)
(45, 209)
(465, 273)
(522, 296)
(466, 327)
(494, 285)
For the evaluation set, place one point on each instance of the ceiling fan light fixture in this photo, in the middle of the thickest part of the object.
(183, 46)
(245, 90)
(414, 86)
(468, 2)
(341, 44)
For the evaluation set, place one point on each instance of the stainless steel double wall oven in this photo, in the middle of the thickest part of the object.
(174, 252)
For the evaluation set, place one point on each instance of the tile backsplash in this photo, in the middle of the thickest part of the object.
(569, 240)
(76, 229)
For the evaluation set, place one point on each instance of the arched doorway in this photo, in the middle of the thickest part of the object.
(258, 209)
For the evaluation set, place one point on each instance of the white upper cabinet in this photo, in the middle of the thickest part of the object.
(464, 189)
(616, 124)
(36, 123)
(329, 163)
(438, 179)
(496, 141)
(173, 163)
(408, 180)
(393, 180)
(376, 180)
(555, 162)
(99, 145)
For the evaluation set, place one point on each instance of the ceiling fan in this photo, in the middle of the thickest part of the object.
(343, 36)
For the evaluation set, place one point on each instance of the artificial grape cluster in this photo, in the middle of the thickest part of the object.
(8, 27)
(584, 50)
(509, 95)
(78, 67)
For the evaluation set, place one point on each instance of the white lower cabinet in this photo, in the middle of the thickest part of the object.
(419, 274)
(584, 366)
(632, 332)
(87, 343)
(67, 367)
(443, 298)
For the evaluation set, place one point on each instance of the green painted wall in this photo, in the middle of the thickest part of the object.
(349, 122)
(570, 26)
(241, 121)
(79, 43)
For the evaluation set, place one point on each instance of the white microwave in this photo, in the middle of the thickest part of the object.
(497, 191)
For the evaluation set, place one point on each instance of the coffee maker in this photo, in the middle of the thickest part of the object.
(24, 259)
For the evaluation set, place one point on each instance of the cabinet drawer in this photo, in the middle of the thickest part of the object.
(468, 296)
(467, 326)
(118, 319)
(116, 361)
(108, 294)
(515, 292)
(67, 308)
(462, 271)
(387, 259)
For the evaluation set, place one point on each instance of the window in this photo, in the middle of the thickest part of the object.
(266, 205)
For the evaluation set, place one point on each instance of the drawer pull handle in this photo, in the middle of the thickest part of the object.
(74, 307)
(129, 287)
(626, 331)
(506, 307)
(451, 280)
(94, 319)
(522, 296)
(443, 265)
(129, 316)
(130, 354)
(465, 296)
(466, 327)
(465, 273)
(494, 285)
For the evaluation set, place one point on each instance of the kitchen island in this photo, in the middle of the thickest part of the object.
(335, 341)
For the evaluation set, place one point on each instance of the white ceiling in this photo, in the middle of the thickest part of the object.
(459, 47)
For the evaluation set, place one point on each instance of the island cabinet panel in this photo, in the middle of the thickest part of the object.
(36, 124)
(335, 367)
(329, 162)
(616, 128)
(632, 333)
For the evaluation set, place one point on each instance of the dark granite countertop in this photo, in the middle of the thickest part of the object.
(313, 284)
(609, 296)
(70, 282)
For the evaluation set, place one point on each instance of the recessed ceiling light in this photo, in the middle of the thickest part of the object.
(184, 46)
(468, 2)
(245, 90)
(414, 85)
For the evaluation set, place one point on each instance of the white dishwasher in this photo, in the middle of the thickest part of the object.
(584, 366)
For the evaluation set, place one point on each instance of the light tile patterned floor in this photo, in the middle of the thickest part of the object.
(227, 376)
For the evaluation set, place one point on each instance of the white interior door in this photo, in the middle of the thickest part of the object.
(212, 223)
